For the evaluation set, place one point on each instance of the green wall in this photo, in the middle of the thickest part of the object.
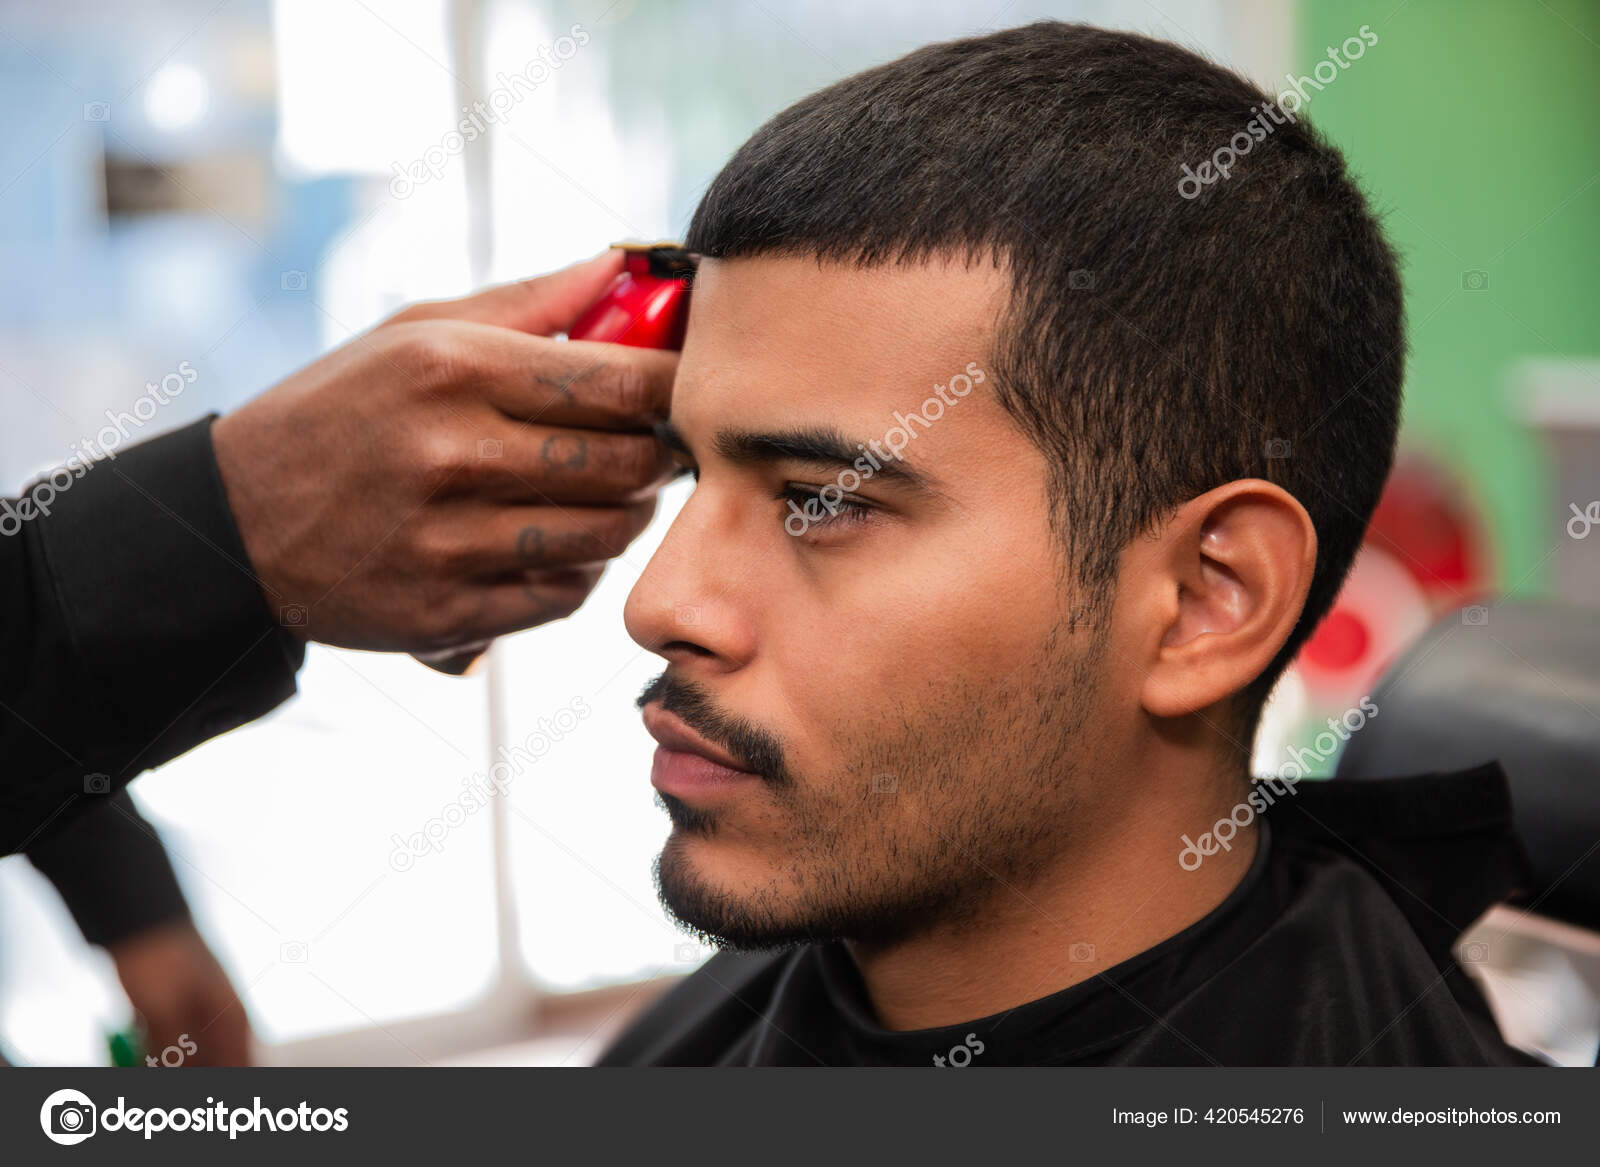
(1475, 129)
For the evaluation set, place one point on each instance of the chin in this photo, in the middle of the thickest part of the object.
(760, 907)
(738, 914)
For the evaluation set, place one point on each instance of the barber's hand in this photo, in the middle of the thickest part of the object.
(192, 1016)
(452, 475)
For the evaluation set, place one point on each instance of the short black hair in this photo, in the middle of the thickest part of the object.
(1166, 334)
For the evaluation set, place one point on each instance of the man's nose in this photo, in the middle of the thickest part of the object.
(687, 604)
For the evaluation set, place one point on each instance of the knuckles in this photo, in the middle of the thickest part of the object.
(428, 354)
(438, 625)
(610, 532)
(631, 390)
(438, 459)
(442, 556)
(633, 463)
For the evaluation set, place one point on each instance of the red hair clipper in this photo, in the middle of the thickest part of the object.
(646, 306)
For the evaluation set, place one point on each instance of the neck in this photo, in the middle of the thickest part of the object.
(1119, 891)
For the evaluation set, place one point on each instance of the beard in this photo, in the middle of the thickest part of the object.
(969, 796)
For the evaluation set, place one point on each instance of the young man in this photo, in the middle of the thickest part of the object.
(1022, 474)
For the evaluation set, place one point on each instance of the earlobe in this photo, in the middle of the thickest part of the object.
(1227, 582)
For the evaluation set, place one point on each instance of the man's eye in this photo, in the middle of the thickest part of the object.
(811, 506)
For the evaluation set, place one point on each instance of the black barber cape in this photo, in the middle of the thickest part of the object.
(1332, 951)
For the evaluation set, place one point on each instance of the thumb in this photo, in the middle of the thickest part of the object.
(543, 305)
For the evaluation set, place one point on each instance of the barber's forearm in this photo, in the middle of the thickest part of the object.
(134, 629)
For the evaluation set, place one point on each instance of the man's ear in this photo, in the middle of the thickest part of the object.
(1219, 587)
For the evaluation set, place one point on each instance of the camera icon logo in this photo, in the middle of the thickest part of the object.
(1474, 953)
(97, 783)
(293, 952)
(491, 448)
(1081, 953)
(293, 281)
(1475, 615)
(885, 784)
(1277, 448)
(1474, 281)
(97, 111)
(687, 952)
(1080, 280)
(68, 1117)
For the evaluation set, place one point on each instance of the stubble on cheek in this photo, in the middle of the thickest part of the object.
(933, 805)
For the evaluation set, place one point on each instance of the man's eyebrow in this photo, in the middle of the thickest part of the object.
(816, 445)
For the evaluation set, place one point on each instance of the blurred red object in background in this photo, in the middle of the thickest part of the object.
(1424, 554)
(1426, 521)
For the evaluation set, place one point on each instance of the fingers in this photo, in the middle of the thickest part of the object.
(487, 571)
(542, 465)
(542, 597)
(507, 543)
(498, 609)
(587, 384)
(544, 305)
(536, 539)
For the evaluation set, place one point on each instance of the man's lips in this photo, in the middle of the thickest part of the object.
(686, 764)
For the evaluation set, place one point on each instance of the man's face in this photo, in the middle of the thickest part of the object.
(892, 670)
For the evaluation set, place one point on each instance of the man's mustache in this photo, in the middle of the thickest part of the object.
(752, 747)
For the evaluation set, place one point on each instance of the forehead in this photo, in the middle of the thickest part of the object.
(791, 341)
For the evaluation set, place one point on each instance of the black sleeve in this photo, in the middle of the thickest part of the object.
(112, 872)
(132, 628)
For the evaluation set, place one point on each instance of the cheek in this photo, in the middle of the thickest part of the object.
(926, 625)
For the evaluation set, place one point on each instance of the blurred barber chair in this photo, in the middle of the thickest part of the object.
(1518, 683)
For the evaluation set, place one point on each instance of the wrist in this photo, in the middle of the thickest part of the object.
(236, 469)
